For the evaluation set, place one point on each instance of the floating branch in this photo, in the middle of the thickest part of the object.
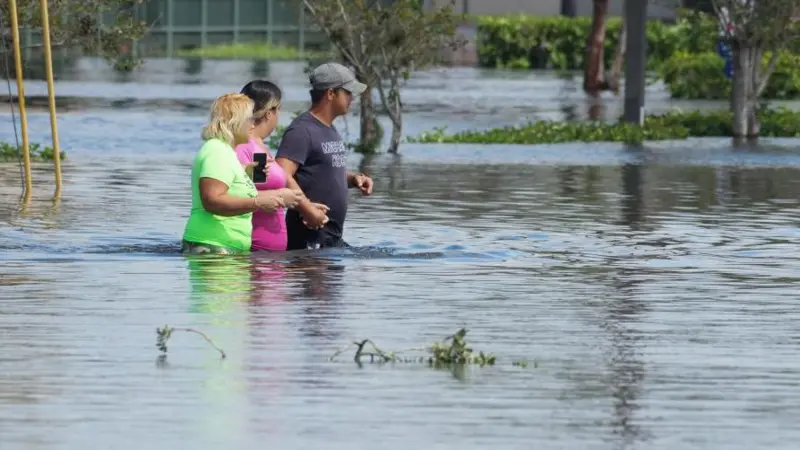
(451, 350)
(165, 333)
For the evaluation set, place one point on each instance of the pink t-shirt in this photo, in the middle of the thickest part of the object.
(269, 229)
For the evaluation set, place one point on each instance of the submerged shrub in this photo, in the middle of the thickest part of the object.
(673, 125)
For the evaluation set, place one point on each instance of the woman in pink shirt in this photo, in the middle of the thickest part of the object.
(269, 228)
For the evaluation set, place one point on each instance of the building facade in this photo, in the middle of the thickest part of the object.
(178, 24)
(656, 10)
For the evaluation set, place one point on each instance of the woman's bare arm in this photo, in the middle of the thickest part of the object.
(215, 198)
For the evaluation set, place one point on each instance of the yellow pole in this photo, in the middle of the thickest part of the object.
(23, 115)
(51, 95)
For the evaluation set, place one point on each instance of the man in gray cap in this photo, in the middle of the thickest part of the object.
(314, 157)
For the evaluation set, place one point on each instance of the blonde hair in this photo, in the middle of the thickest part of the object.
(270, 105)
(229, 114)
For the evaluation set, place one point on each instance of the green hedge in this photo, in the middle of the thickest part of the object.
(701, 76)
(669, 126)
(530, 42)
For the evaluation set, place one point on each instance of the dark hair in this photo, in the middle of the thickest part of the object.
(317, 95)
(265, 94)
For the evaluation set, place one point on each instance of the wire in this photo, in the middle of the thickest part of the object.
(6, 51)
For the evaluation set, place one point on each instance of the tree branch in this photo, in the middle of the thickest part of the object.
(765, 76)
(347, 55)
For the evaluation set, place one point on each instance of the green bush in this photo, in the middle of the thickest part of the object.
(701, 76)
(775, 122)
(670, 126)
(12, 152)
(531, 42)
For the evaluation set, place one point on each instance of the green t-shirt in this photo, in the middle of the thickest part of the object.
(217, 160)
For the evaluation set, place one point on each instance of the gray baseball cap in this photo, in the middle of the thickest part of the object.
(334, 75)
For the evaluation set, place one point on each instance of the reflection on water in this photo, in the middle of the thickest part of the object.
(652, 286)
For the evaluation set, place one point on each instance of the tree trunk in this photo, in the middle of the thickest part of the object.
(397, 122)
(395, 109)
(744, 91)
(594, 76)
(369, 125)
(614, 77)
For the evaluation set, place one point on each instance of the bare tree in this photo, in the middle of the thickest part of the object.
(753, 29)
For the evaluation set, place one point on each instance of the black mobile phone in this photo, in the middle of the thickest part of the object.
(258, 171)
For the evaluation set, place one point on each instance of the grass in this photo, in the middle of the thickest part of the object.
(12, 152)
(250, 50)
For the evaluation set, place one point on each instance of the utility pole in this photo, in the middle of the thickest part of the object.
(636, 50)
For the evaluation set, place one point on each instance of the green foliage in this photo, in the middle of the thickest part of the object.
(532, 42)
(274, 139)
(250, 51)
(670, 126)
(701, 76)
(551, 132)
(775, 122)
(386, 41)
(78, 24)
(371, 146)
(767, 25)
(12, 152)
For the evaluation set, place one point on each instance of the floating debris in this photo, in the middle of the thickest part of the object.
(452, 350)
(163, 335)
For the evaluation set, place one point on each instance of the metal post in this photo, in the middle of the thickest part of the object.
(203, 23)
(23, 115)
(137, 14)
(236, 12)
(170, 44)
(51, 95)
(636, 50)
(302, 26)
(568, 8)
(269, 21)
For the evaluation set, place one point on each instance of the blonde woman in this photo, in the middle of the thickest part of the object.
(223, 194)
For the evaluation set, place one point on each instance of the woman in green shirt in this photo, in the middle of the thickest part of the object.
(223, 194)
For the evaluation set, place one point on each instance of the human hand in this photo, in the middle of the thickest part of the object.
(363, 183)
(291, 197)
(250, 167)
(268, 201)
(316, 216)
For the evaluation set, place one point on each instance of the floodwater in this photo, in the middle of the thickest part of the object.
(652, 291)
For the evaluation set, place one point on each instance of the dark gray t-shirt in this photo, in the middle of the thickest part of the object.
(322, 159)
